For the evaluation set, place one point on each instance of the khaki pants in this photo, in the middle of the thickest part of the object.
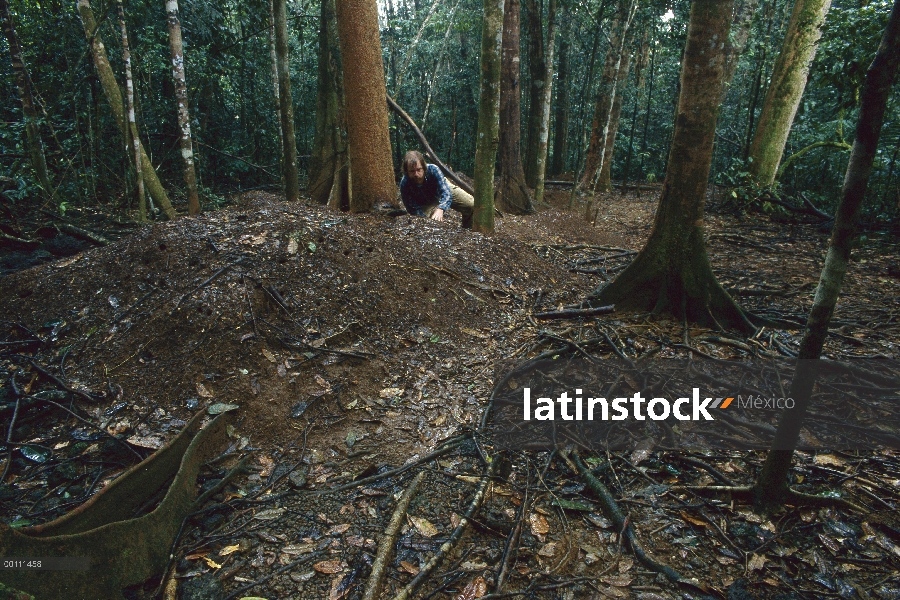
(460, 201)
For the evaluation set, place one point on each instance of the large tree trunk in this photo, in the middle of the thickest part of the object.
(604, 182)
(513, 195)
(23, 83)
(561, 116)
(672, 272)
(543, 131)
(289, 140)
(329, 164)
(114, 96)
(537, 66)
(607, 93)
(367, 112)
(181, 99)
(786, 88)
(132, 123)
(488, 116)
(772, 485)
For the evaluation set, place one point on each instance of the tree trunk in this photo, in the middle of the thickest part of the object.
(288, 138)
(772, 486)
(543, 131)
(561, 116)
(30, 113)
(114, 96)
(607, 93)
(537, 66)
(329, 165)
(132, 123)
(740, 28)
(367, 113)
(786, 88)
(276, 96)
(672, 272)
(604, 182)
(513, 195)
(488, 116)
(181, 99)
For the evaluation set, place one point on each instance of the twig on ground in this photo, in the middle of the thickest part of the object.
(445, 549)
(389, 539)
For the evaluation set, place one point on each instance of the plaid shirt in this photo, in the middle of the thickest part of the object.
(434, 190)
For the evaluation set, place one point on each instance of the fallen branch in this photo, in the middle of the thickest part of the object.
(83, 234)
(575, 313)
(447, 547)
(612, 511)
(386, 545)
(207, 282)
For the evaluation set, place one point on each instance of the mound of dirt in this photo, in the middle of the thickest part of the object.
(275, 307)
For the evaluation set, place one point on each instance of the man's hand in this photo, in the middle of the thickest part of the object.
(438, 214)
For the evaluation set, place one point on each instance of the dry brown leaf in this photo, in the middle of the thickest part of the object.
(539, 525)
(423, 526)
(475, 589)
(693, 520)
(271, 357)
(329, 567)
(829, 459)
(549, 549)
(617, 581)
(756, 562)
(339, 529)
(338, 590)
(229, 550)
(203, 392)
(410, 568)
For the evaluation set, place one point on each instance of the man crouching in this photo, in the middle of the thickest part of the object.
(427, 193)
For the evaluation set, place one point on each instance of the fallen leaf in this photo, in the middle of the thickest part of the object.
(329, 567)
(475, 589)
(271, 357)
(409, 568)
(756, 562)
(339, 529)
(829, 459)
(212, 564)
(693, 520)
(219, 408)
(548, 549)
(539, 525)
(423, 526)
(292, 245)
(388, 393)
(296, 549)
(340, 587)
(203, 392)
(617, 581)
(269, 514)
(229, 550)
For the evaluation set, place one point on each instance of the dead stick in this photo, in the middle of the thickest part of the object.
(207, 282)
(575, 313)
(445, 549)
(611, 509)
(386, 545)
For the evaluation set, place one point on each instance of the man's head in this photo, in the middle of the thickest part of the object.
(414, 167)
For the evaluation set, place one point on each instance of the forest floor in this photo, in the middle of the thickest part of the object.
(348, 345)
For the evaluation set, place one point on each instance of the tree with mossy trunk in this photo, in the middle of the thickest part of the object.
(488, 116)
(771, 488)
(785, 90)
(672, 273)
(329, 164)
(368, 137)
(132, 122)
(114, 96)
(176, 48)
(29, 111)
(604, 177)
(513, 195)
(606, 94)
(286, 101)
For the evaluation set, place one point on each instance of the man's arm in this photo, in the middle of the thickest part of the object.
(443, 188)
(405, 195)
